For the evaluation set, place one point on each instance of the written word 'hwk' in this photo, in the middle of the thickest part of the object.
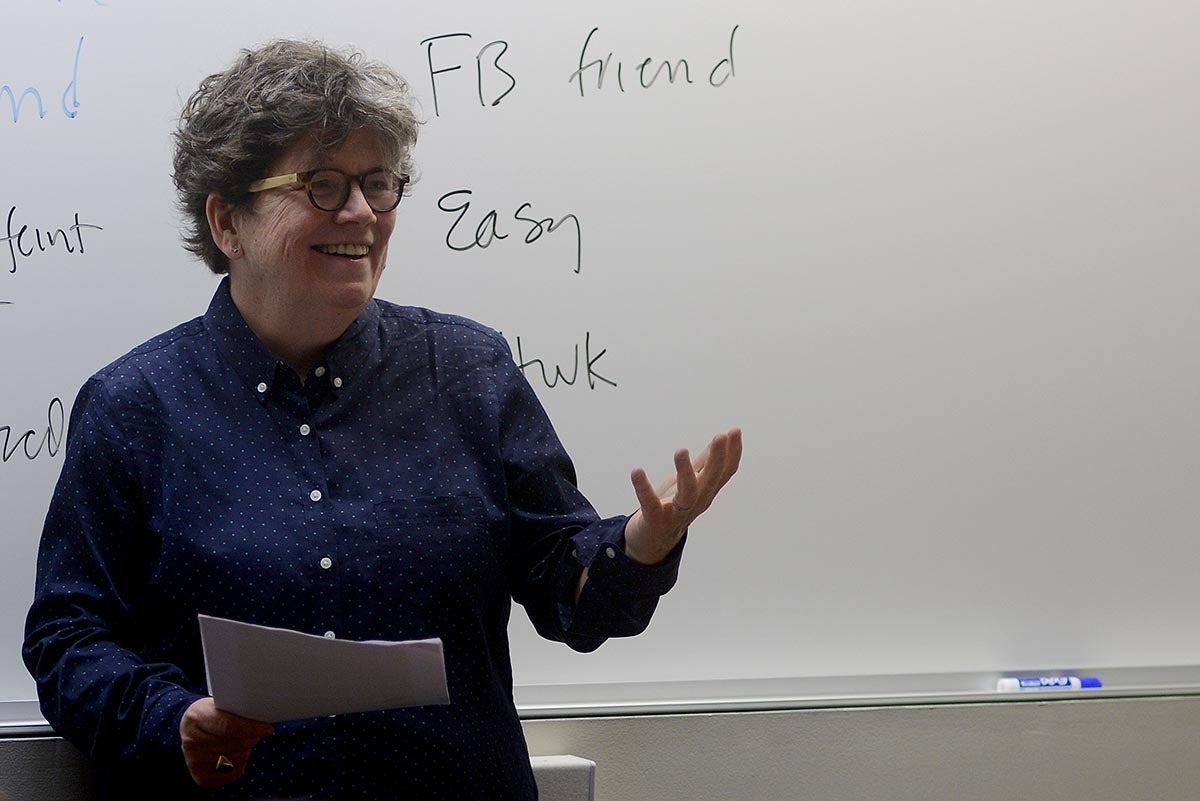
(560, 378)
(31, 95)
(648, 70)
(24, 242)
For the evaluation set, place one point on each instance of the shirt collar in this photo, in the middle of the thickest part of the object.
(346, 359)
(257, 366)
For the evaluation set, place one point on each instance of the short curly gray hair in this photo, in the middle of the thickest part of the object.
(239, 121)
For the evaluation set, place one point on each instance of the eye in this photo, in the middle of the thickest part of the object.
(327, 183)
(381, 182)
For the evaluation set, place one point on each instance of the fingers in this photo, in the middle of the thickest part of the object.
(711, 472)
(690, 491)
(686, 486)
(216, 744)
(733, 455)
(644, 490)
(203, 724)
(216, 724)
(697, 482)
(720, 460)
(217, 768)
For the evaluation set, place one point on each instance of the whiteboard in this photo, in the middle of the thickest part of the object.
(938, 259)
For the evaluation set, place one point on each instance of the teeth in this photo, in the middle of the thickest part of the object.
(345, 250)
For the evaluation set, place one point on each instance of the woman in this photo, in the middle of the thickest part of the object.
(306, 456)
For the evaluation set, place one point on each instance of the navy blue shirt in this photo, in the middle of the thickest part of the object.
(408, 488)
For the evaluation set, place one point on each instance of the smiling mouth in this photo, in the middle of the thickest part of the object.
(343, 250)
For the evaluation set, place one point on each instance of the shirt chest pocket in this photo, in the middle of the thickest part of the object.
(435, 547)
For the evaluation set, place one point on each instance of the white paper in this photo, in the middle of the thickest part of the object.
(275, 674)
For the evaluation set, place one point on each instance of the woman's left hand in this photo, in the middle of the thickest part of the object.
(665, 513)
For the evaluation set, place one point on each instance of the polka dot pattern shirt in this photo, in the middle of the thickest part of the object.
(410, 487)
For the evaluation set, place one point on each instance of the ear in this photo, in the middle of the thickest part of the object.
(222, 225)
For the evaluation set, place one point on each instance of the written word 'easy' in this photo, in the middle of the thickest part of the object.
(649, 71)
(490, 230)
(20, 102)
(25, 242)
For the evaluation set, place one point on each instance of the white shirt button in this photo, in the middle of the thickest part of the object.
(337, 382)
(262, 386)
(329, 635)
(305, 429)
(320, 371)
(610, 552)
(315, 495)
(326, 563)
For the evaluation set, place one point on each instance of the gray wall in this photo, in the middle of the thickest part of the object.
(1145, 748)
(1119, 749)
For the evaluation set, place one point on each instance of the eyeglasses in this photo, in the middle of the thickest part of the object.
(329, 189)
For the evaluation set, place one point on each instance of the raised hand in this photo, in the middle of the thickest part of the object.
(665, 513)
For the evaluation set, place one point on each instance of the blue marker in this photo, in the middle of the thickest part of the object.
(1047, 683)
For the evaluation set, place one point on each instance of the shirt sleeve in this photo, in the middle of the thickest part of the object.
(82, 640)
(557, 533)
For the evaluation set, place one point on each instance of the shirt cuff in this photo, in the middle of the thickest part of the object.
(160, 727)
(601, 549)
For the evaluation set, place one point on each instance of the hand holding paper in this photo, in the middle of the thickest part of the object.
(274, 675)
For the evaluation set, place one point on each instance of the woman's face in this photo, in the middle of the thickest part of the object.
(297, 261)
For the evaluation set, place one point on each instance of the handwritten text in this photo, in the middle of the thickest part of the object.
(676, 70)
(25, 241)
(491, 52)
(487, 232)
(70, 95)
(27, 443)
(559, 377)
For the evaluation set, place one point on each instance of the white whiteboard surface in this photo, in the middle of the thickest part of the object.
(938, 259)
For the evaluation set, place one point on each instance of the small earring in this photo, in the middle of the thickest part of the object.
(236, 249)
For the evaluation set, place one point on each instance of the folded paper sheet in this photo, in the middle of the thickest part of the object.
(275, 674)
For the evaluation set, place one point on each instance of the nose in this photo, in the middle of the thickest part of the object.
(356, 208)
